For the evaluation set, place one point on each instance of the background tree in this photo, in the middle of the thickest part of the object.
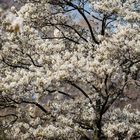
(61, 80)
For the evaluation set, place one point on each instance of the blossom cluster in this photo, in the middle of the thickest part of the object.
(60, 89)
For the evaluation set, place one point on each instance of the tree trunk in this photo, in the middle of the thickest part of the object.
(98, 129)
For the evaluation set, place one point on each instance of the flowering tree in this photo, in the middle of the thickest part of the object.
(60, 80)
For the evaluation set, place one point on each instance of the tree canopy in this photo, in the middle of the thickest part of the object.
(60, 79)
